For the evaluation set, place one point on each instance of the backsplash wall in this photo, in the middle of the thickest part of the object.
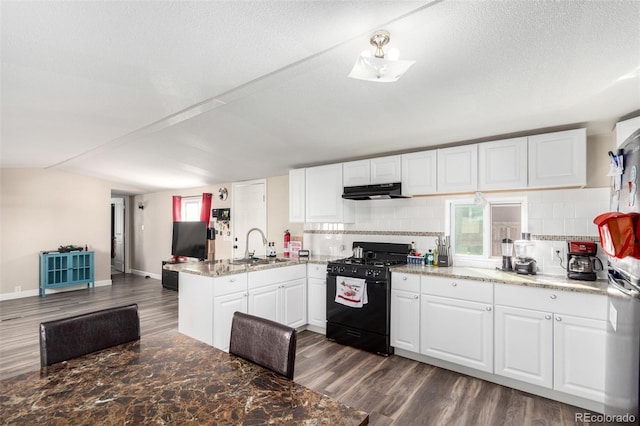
(554, 217)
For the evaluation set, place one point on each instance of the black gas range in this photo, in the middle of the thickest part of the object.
(359, 296)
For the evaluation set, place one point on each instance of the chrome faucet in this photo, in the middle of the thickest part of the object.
(246, 245)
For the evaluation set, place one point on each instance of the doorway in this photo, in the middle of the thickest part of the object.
(249, 211)
(117, 235)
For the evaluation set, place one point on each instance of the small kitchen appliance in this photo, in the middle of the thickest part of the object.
(582, 262)
(524, 263)
(507, 254)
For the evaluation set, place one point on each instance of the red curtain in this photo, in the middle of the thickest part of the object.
(205, 208)
(177, 208)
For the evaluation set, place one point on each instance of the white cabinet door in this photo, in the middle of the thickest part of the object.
(323, 189)
(558, 159)
(294, 303)
(524, 345)
(502, 164)
(264, 302)
(458, 169)
(386, 169)
(356, 173)
(317, 301)
(405, 320)
(296, 195)
(458, 331)
(419, 173)
(223, 309)
(579, 356)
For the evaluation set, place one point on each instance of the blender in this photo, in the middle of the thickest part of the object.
(524, 263)
(507, 253)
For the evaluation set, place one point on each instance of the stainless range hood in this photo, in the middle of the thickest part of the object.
(373, 192)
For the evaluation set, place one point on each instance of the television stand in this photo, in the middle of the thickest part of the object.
(170, 278)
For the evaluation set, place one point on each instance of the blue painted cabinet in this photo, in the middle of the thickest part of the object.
(64, 269)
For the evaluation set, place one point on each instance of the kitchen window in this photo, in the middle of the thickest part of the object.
(478, 226)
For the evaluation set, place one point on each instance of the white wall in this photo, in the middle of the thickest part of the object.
(42, 210)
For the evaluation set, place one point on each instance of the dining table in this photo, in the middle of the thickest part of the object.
(170, 379)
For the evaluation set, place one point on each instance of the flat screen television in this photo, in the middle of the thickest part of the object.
(189, 239)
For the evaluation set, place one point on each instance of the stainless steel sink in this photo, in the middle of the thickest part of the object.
(254, 261)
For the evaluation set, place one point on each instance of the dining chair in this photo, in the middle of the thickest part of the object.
(71, 337)
(264, 342)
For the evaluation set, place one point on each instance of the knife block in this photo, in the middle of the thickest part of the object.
(444, 260)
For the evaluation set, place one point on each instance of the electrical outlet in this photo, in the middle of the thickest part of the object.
(17, 289)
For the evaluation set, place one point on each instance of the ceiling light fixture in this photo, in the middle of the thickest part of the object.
(378, 67)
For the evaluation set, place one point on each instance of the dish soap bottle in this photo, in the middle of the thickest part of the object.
(430, 258)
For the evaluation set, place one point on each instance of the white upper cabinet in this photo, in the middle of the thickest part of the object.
(372, 171)
(356, 173)
(296, 195)
(419, 173)
(625, 128)
(323, 195)
(386, 169)
(458, 169)
(558, 159)
(502, 164)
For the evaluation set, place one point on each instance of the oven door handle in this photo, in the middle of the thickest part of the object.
(376, 282)
(618, 284)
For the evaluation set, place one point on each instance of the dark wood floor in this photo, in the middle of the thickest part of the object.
(394, 390)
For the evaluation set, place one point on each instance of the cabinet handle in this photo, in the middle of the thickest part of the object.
(416, 296)
(547, 317)
(454, 284)
(404, 278)
(232, 280)
(489, 308)
(558, 318)
(553, 296)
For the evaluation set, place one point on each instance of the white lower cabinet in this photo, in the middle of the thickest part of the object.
(223, 310)
(206, 306)
(317, 295)
(559, 343)
(579, 356)
(458, 331)
(524, 345)
(279, 294)
(405, 320)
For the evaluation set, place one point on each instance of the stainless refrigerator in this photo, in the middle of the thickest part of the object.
(622, 377)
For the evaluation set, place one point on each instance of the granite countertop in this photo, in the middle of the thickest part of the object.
(222, 267)
(556, 282)
(166, 378)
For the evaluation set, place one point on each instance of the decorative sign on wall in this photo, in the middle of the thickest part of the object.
(223, 193)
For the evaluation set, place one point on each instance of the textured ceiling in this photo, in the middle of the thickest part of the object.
(159, 95)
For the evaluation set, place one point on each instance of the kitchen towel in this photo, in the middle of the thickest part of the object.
(351, 291)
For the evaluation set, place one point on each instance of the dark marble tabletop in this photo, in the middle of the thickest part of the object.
(167, 378)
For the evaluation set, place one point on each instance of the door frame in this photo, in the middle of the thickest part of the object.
(234, 210)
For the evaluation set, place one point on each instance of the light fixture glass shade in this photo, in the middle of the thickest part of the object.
(379, 69)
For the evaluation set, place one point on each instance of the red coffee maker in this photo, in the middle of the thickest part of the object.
(582, 263)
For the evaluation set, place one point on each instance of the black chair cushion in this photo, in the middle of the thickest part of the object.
(75, 336)
(264, 342)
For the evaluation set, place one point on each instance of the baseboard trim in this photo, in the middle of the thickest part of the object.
(146, 274)
(36, 292)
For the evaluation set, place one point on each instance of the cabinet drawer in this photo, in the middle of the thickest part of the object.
(478, 291)
(276, 275)
(229, 284)
(317, 270)
(405, 282)
(556, 301)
